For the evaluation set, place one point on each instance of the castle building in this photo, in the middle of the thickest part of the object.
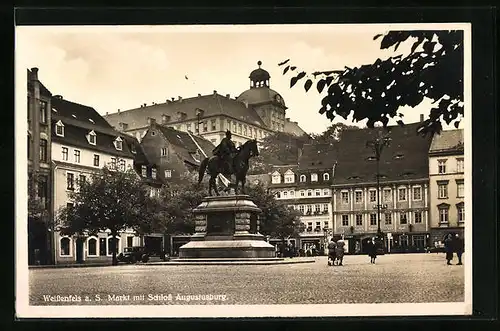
(254, 114)
(447, 189)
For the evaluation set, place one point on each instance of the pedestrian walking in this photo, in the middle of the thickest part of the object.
(332, 246)
(459, 248)
(339, 251)
(448, 248)
(372, 250)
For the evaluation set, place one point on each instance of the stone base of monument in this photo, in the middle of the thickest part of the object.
(227, 227)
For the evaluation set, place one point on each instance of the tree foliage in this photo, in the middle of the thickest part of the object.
(110, 200)
(332, 134)
(36, 206)
(277, 219)
(433, 69)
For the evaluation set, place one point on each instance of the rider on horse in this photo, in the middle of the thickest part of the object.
(226, 151)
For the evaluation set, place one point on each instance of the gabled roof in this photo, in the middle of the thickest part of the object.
(133, 144)
(184, 145)
(86, 115)
(449, 140)
(294, 128)
(211, 105)
(355, 162)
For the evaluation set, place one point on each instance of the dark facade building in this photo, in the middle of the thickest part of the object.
(40, 215)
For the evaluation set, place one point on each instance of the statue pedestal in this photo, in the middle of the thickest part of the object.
(227, 227)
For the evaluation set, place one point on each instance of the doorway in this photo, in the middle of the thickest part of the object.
(79, 250)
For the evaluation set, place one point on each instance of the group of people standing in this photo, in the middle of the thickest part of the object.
(453, 244)
(336, 252)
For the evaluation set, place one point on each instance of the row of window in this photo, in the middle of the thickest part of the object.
(116, 163)
(95, 246)
(309, 226)
(442, 165)
(144, 172)
(386, 192)
(311, 210)
(244, 130)
(443, 189)
(70, 181)
(444, 214)
(289, 177)
(403, 219)
(91, 136)
(303, 193)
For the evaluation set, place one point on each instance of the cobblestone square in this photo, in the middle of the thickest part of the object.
(402, 278)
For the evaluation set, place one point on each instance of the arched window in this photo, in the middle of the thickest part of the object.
(65, 246)
(92, 246)
(302, 178)
(326, 176)
(113, 244)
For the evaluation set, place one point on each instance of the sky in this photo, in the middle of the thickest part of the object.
(118, 67)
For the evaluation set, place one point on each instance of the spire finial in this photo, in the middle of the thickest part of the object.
(259, 63)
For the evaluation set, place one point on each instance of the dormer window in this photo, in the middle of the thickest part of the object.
(91, 137)
(59, 129)
(132, 149)
(153, 173)
(326, 176)
(302, 178)
(314, 177)
(276, 178)
(289, 176)
(398, 156)
(119, 144)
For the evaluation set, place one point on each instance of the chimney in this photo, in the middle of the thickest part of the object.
(118, 110)
(287, 119)
(165, 119)
(199, 94)
(228, 96)
(180, 98)
(34, 73)
(421, 117)
(151, 121)
(215, 92)
(58, 96)
(107, 113)
(173, 99)
(299, 153)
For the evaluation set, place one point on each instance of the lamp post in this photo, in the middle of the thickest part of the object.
(377, 145)
(199, 113)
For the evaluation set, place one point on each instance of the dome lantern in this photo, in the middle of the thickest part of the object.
(259, 77)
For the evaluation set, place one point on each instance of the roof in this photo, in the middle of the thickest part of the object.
(259, 75)
(263, 179)
(257, 95)
(404, 159)
(318, 156)
(449, 140)
(77, 127)
(184, 146)
(140, 157)
(294, 128)
(211, 105)
(85, 115)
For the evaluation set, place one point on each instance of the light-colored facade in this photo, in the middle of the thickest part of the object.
(447, 190)
(254, 114)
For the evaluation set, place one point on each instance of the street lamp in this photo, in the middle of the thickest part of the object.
(377, 145)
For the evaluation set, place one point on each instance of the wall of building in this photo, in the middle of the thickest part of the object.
(453, 177)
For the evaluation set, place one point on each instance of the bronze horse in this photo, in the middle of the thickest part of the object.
(214, 166)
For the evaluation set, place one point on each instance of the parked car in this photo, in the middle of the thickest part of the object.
(133, 254)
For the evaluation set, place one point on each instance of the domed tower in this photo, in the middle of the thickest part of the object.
(268, 103)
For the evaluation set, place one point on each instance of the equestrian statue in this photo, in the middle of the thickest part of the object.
(228, 160)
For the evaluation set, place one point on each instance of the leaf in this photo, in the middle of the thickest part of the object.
(377, 36)
(286, 69)
(294, 80)
(284, 62)
(400, 123)
(397, 45)
(293, 68)
(329, 80)
(321, 85)
(308, 85)
(456, 124)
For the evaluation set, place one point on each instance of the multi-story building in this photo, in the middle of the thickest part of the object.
(174, 153)
(254, 114)
(403, 190)
(307, 188)
(446, 175)
(39, 169)
(82, 144)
